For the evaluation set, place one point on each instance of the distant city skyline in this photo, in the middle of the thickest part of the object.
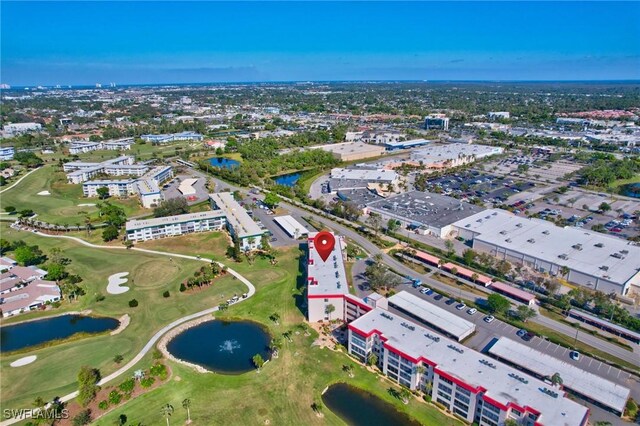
(77, 43)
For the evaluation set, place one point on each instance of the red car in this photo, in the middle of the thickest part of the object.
(616, 229)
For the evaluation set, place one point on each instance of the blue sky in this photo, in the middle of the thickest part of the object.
(165, 42)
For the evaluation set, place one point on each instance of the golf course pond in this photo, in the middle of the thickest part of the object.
(38, 332)
(225, 347)
(357, 407)
(223, 162)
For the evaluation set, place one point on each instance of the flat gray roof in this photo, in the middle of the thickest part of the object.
(595, 387)
(132, 225)
(473, 368)
(324, 273)
(237, 216)
(434, 315)
(592, 253)
(425, 208)
(291, 225)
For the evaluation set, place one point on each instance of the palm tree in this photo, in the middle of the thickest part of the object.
(167, 411)
(186, 404)
(404, 395)
(556, 379)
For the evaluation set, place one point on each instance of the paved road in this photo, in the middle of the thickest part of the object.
(18, 181)
(151, 343)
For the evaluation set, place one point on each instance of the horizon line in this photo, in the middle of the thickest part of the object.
(106, 84)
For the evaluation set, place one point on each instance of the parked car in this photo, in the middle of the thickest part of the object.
(472, 311)
(460, 306)
(438, 296)
(527, 336)
(489, 319)
(521, 333)
(574, 355)
(425, 290)
(450, 301)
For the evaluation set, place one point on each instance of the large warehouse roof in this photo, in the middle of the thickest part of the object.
(291, 226)
(595, 254)
(595, 387)
(425, 208)
(432, 315)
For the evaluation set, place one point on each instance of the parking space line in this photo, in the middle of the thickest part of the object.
(590, 361)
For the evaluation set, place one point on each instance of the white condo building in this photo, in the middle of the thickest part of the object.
(171, 226)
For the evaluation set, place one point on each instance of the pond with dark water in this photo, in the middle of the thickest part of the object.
(223, 162)
(32, 333)
(357, 407)
(222, 346)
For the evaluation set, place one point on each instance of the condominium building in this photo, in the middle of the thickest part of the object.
(471, 385)
(17, 128)
(80, 171)
(7, 153)
(23, 289)
(239, 223)
(171, 226)
(117, 144)
(80, 147)
(166, 138)
(326, 281)
(117, 188)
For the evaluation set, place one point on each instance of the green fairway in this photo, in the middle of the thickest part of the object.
(62, 206)
(150, 275)
(282, 393)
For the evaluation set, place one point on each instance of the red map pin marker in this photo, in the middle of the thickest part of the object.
(324, 242)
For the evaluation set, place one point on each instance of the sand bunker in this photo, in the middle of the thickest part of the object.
(44, 193)
(23, 361)
(114, 283)
(86, 205)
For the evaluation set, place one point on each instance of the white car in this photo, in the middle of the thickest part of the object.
(461, 306)
(472, 311)
(425, 290)
(489, 319)
(574, 355)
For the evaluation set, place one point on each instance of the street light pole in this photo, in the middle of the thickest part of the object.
(576, 339)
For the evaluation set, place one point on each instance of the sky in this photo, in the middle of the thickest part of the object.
(75, 43)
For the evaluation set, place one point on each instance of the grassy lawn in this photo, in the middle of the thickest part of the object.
(620, 182)
(62, 205)
(212, 245)
(54, 372)
(284, 390)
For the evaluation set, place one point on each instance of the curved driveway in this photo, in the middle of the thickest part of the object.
(151, 343)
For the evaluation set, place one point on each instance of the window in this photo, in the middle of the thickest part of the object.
(445, 396)
(326, 300)
(445, 403)
(516, 412)
(445, 389)
(462, 398)
(444, 379)
(460, 412)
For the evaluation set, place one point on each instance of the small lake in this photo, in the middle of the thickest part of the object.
(631, 190)
(357, 407)
(32, 333)
(222, 346)
(223, 162)
(289, 179)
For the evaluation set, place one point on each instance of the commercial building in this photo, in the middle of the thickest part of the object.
(428, 213)
(171, 226)
(166, 138)
(592, 259)
(7, 153)
(352, 151)
(291, 226)
(441, 320)
(469, 384)
(436, 121)
(326, 282)
(452, 155)
(17, 128)
(369, 175)
(239, 223)
(499, 115)
(586, 385)
(393, 145)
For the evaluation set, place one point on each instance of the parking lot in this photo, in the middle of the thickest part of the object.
(264, 218)
(170, 189)
(535, 166)
(486, 333)
(473, 184)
